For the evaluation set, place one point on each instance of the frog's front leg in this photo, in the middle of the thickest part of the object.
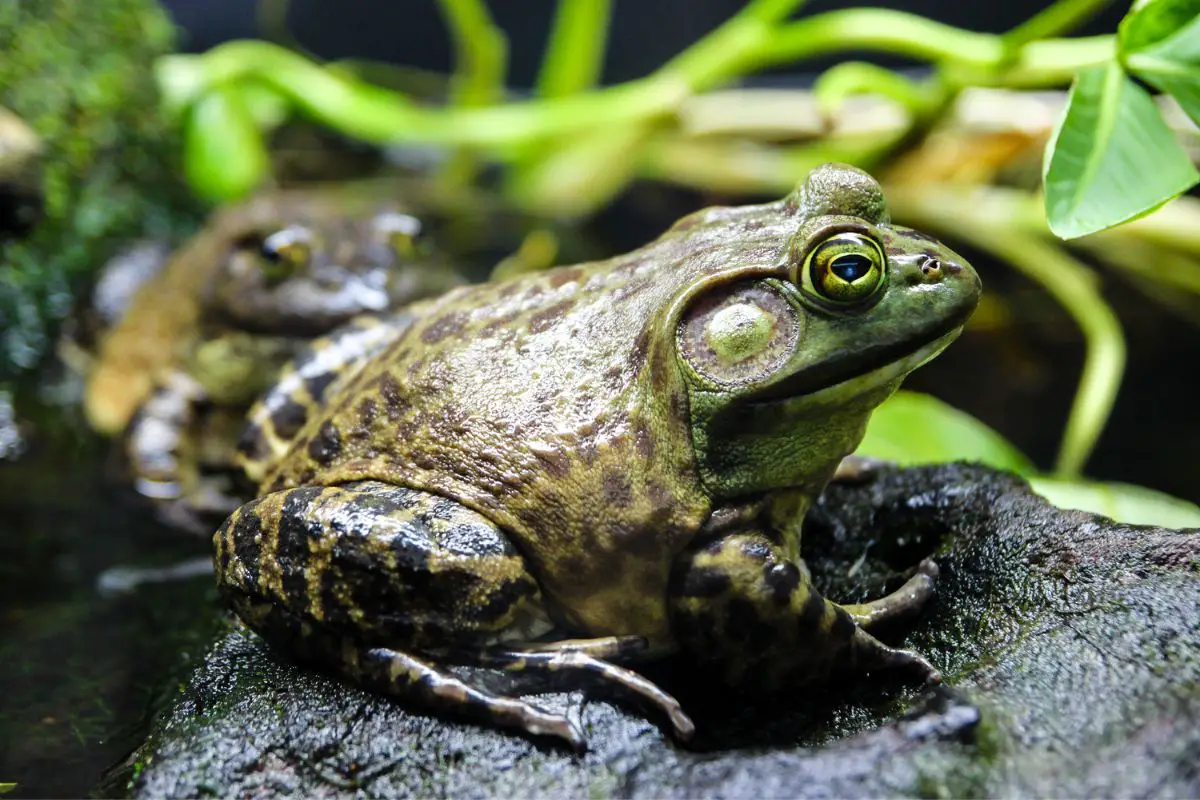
(302, 385)
(161, 448)
(740, 604)
(380, 584)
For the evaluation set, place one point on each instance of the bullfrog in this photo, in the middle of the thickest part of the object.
(206, 335)
(585, 468)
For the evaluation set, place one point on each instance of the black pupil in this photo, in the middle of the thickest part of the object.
(850, 266)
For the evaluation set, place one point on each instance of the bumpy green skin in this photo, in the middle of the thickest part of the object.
(651, 484)
(254, 314)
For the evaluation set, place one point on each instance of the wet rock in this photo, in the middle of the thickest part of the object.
(1070, 644)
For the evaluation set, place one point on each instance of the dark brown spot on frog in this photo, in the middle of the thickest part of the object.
(782, 580)
(812, 613)
(704, 582)
(289, 418)
(444, 326)
(317, 384)
(561, 277)
(326, 445)
(367, 412)
(394, 404)
(555, 462)
(643, 440)
(501, 324)
(252, 444)
(617, 490)
(292, 547)
(502, 598)
(546, 318)
(641, 345)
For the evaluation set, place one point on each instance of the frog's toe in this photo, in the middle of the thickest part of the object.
(577, 656)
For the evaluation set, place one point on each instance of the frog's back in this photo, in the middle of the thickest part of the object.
(551, 403)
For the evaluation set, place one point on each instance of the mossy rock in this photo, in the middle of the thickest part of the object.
(1070, 644)
(80, 75)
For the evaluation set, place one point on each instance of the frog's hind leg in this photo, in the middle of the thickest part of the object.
(909, 599)
(589, 655)
(393, 672)
(303, 384)
(369, 580)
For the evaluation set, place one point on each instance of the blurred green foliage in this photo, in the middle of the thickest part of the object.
(79, 73)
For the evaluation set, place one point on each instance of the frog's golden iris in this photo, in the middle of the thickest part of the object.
(285, 252)
(847, 269)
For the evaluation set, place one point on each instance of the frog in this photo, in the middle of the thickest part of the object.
(228, 312)
(590, 468)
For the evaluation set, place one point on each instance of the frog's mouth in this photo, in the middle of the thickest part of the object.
(881, 366)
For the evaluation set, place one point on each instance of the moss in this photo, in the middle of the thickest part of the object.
(80, 75)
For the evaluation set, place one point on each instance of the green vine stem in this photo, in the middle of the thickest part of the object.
(480, 72)
(574, 55)
(969, 216)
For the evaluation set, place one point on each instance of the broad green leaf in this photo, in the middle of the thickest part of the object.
(5, 788)
(1172, 63)
(224, 156)
(1112, 158)
(913, 428)
(1151, 21)
(1123, 502)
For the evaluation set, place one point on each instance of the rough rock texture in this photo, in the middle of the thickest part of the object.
(1071, 647)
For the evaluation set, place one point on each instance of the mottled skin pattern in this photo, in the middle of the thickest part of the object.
(293, 270)
(644, 434)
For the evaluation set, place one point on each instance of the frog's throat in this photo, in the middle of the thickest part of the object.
(879, 377)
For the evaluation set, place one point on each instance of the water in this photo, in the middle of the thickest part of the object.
(81, 668)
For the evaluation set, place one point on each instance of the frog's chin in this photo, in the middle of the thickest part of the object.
(886, 377)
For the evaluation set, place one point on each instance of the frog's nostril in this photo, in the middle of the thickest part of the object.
(932, 268)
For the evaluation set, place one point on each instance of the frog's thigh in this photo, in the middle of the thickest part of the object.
(303, 383)
(740, 603)
(353, 576)
(396, 567)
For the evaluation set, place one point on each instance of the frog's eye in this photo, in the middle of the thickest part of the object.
(285, 252)
(399, 231)
(845, 269)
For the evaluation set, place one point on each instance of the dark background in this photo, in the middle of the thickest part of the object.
(644, 34)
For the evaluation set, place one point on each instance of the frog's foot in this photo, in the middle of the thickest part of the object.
(575, 655)
(870, 654)
(909, 599)
(859, 469)
(396, 673)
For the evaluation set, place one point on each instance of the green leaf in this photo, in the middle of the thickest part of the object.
(1164, 50)
(912, 428)
(224, 155)
(5, 788)
(1123, 502)
(1112, 158)
(1151, 21)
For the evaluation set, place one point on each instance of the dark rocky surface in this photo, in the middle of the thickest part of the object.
(1070, 644)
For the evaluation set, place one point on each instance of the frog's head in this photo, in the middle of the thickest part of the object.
(784, 363)
(305, 275)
